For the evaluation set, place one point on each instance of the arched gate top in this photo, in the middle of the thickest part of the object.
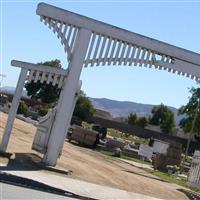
(110, 45)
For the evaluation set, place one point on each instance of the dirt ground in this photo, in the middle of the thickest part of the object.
(91, 166)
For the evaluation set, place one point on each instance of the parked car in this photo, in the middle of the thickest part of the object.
(83, 136)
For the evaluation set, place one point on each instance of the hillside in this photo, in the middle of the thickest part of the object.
(115, 108)
(124, 108)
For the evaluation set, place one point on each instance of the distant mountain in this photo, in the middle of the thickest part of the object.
(118, 109)
(121, 109)
(11, 90)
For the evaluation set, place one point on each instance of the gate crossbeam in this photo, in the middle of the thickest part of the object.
(110, 45)
(42, 73)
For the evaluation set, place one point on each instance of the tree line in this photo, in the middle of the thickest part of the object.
(161, 116)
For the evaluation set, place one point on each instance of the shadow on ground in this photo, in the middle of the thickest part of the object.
(191, 195)
(26, 162)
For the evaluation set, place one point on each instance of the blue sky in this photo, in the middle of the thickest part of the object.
(24, 37)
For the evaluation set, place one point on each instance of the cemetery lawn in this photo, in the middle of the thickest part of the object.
(168, 178)
(131, 138)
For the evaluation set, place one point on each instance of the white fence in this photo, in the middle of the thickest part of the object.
(194, 173)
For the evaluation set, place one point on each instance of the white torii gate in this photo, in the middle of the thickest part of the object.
(89, 42)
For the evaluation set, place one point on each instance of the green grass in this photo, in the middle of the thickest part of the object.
(169, 178)
(131, 138)
(195, 190)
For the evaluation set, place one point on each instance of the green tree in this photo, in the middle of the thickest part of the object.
(190, 110)
(162, 116)
(132, 118)
(84, 108)
(46, 93)
(190, 123)
(168, 123)
(158, 114)
(186, 124)
(142, 122)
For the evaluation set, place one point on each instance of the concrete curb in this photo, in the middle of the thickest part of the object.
(29, 183)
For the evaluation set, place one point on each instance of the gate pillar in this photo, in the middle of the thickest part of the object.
(59, 128)
(13, 110)
(194, 172)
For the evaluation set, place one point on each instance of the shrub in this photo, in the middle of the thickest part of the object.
(43, 111)
(23, 108)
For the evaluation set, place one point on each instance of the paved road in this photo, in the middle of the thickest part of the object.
(8, 191)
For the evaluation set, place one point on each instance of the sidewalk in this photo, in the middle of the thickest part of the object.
(26, 171)
(78, 187)
(137, 164)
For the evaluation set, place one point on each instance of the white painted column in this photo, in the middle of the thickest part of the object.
(13, 110)
(63, 114)
(73, 106)
(194, 172)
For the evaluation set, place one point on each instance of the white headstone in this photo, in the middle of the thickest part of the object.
(145, 151)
